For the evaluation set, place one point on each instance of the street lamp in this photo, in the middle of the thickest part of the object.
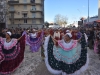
(88, 10)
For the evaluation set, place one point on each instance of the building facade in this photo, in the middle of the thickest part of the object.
(3, 11)
(91, 19)
(98, 9)
(25, 13)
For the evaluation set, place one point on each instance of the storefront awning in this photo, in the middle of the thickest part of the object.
(97, 21)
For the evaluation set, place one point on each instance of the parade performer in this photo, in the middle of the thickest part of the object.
(67, 31)
(56, 36)
(42, 49)
(79, 34)
(33, 41)
(74, 34)
(97, 43)
(69, 58)
(51, 31)
(13, 51)
(33, 35)
(96, 46)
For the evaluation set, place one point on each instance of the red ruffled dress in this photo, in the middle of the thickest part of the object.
(13, 55)
(39, 34)
(74, 35)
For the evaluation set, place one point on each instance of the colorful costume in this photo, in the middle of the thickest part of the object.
(96, 49)
(13, 54)
(33, 41)
(69, 58)
(33, 37)
(74, 35)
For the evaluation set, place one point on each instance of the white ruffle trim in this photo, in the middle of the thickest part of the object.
(82, 69)
(58, 72)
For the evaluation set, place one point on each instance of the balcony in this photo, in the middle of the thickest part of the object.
(25, 17)
(22, 3)
(32, 1)
(11, 10)
(34, 10)
(35, 2)
(21, 18)
(11, 17)
(13, 2)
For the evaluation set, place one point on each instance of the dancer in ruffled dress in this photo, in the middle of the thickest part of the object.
(74, 33)
(33, 40)
(13, 53)
(33, 35)
(68, 58)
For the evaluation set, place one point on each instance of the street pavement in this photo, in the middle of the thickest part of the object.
(34, 65)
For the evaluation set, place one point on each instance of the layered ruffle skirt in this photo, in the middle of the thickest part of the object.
(57, 66)
(13, 57)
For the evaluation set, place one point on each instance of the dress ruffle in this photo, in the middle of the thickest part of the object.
(96, 49)
(74, 44)
(58, 67)
(68, 57)
(13, 43)
(8, 66)
(34, 43)
(53, 71)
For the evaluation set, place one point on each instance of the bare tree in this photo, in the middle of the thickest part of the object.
(60, 19)
(64, 20)
(57, 19)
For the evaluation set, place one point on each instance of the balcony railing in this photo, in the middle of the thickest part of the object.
(11, 10)
(13, 2)
(35, 10)
(25, 17)
(35, 16)
(32, 1)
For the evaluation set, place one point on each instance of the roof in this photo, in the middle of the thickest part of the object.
(97, 21)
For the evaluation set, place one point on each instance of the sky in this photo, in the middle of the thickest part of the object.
(73, 9)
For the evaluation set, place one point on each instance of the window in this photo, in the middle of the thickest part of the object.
(33, 15)
(32, 1)
(12, 7)
(12, 15)
(25, 15)
(34, 21)
(25, 7)
(41, 21)
(25, 1)
(18, 13)
(25, 20)
(33, 8)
